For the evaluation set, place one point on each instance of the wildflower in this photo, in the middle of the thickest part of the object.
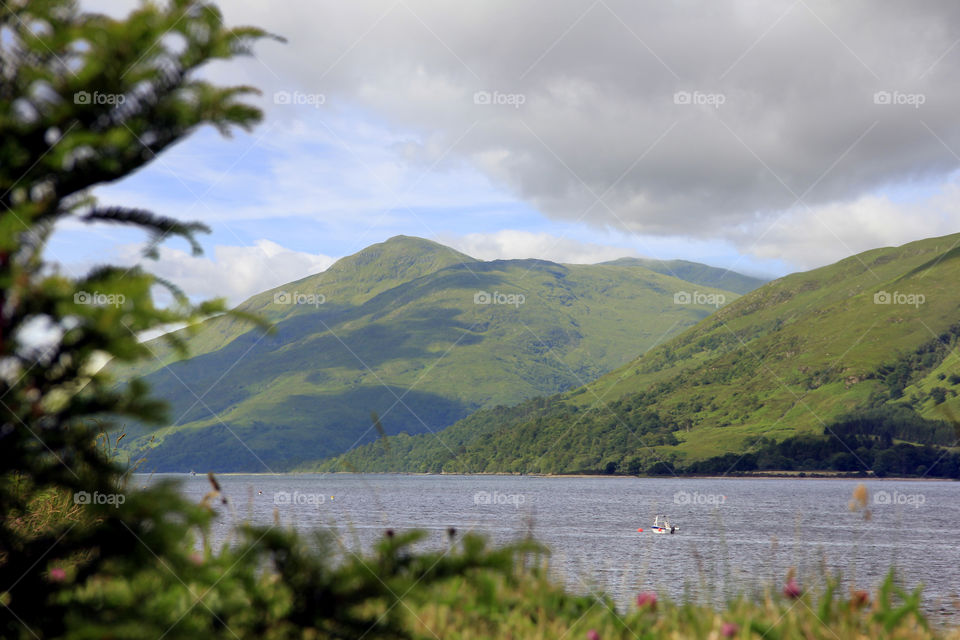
(647, 599)
(859, 599)
(792, 589)
(57, 574)
(593, 635)
(729, 629)
(196, 558)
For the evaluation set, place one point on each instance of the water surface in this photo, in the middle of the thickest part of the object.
(736, 534)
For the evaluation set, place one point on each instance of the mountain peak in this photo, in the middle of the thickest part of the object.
(395, 260)
(413, 242)
(401, 254)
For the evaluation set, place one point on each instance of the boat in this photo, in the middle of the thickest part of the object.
(661, 524)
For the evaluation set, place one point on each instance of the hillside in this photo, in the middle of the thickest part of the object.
(862, 349)
(410, 329)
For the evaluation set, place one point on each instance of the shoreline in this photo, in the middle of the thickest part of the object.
(808, 475)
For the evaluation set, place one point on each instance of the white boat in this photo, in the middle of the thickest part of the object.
(661, 524)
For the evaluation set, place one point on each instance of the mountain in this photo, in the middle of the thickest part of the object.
(836, 368)
(410, 329)
(697, 273)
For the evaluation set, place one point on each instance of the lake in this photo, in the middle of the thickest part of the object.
(736, 534)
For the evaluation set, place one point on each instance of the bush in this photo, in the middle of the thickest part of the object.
(938, 395)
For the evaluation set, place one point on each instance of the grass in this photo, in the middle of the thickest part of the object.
(535, 609)
(46, 511)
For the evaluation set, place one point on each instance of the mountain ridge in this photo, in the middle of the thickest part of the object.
(408, 328)
(697, 273)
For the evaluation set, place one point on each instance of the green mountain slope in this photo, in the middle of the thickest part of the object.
(350, 281)
(409, 329)
(861, 346)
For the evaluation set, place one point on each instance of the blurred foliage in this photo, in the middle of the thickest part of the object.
(489, 609)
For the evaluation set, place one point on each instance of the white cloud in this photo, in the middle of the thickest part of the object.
(338, 169)
(510, 244)
(235, 273)
(812, 237)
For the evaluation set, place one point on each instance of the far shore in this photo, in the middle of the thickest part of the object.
(760, 475)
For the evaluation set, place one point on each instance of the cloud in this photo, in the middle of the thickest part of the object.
(809, 238)
(699, 119)
(235, 273)
(346, 175)
(511, 244)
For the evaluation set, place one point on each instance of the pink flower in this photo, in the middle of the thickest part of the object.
(792, 589)
(729, 629)
(196, 558)
(647, 599)
(58, 575)
(859, 599)
(593, 635)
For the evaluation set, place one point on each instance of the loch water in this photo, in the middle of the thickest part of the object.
(736, 535)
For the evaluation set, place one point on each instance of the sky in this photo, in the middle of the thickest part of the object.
(761, 136)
